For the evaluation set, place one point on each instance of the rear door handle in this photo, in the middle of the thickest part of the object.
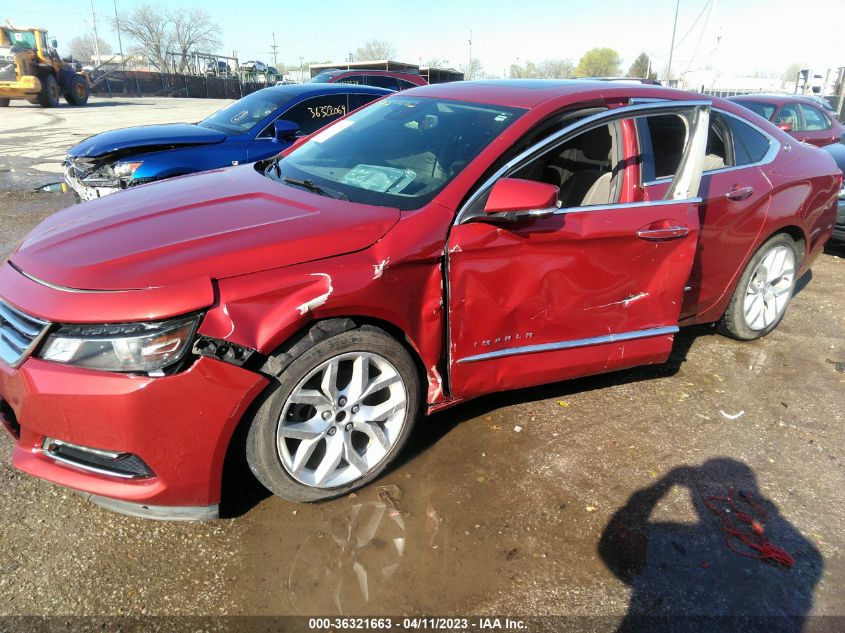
(739, 193)
(663, 233)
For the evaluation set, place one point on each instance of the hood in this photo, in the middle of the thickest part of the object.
(147, 137)
(214, 225)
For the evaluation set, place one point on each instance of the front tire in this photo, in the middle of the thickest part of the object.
(50, 92)
(79, 91)
(338, 415)
(763, 292)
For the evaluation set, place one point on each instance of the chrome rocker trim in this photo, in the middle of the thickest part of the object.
(582, 342)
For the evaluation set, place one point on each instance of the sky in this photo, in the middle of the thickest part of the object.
(738, 37)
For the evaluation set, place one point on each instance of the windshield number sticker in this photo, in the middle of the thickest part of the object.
(240, 116)
(321, 112)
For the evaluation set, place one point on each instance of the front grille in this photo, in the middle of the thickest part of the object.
(19, 334)
(125, 465)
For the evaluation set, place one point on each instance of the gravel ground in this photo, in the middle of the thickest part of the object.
(582, 498)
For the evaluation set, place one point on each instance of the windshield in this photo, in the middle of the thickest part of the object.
(322, 78)
(22, 39)
(399, 152)
(765, 110)
(243, 115)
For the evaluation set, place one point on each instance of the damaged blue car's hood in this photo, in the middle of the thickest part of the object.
(146, 136)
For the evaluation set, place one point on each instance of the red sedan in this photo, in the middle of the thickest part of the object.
(439, 244)
(801, 117)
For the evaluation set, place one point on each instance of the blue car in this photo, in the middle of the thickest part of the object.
(258, 126)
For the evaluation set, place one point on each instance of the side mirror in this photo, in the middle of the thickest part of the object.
(516, 198)
(284, 130)
(785, 126)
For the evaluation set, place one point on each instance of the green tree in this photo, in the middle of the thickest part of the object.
(642, 68)
(599, 62)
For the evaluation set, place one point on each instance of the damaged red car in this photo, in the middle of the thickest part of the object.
(442, 243)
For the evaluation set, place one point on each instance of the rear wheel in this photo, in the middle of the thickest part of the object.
(50, 92)
(338, 416)
(763, 292)
(4, 102)
(79, 91)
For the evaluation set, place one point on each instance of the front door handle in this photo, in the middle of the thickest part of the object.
(739, 193)
(663, 233)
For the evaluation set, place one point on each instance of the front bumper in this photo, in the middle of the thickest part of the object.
(28, 86)
(180, 425)
(84, 191)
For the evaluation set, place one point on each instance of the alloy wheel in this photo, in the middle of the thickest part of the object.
(341, 420)
(769, 288)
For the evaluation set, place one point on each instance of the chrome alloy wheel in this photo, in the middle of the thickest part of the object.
(769, 288)
(341, 420)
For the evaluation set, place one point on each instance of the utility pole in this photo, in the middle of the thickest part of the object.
(96, 37)
(273, 53)
(301, 69)
(119, 42)
(469, 66)
(672, 47)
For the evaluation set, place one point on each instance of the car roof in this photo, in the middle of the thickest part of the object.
(295, 90)
(530, 93)
(774, 98)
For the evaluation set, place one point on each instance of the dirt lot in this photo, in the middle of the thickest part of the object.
(583, 498)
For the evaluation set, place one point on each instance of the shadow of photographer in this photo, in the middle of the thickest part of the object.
(683, 575)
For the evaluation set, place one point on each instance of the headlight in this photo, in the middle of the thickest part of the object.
(125, 170)
(145, 347)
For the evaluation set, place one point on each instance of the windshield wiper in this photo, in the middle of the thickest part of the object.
(310, 185)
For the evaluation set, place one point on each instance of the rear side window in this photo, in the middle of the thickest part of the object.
(750, 145)
(788, 116)
(765, 110)
(405, 84)
(314, 113)
(381, 81)
(813, 118)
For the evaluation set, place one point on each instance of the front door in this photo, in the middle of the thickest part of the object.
(594, 287)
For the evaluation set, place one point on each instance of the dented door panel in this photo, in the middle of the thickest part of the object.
(574, 278)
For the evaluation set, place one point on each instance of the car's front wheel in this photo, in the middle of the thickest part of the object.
(763, 292)
(337, 416)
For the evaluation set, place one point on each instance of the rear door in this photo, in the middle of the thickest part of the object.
(589, 288)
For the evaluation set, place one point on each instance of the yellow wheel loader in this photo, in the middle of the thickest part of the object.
(31, 69)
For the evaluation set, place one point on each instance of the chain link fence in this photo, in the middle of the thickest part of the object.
(132, 83)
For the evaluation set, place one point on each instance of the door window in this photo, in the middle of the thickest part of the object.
(586, 168)
(357, 80)
(814, 119)
(405, 85)
(788, 115)
(314, 113)
(360, 100)
(381, 81)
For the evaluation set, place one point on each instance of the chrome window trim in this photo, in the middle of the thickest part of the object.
(582, 125)
(768, 157)
(562, 345)
(623, 206)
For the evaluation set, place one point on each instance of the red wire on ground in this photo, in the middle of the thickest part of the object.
(749, 531)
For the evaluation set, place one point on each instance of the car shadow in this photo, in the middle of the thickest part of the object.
(836, 249)
(689, 576)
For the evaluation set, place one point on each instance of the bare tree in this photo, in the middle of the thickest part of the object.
(81, 47)
(556, 69)
(193, 32)
(434, 62)
(149, 30)
(475, 71)
(375, 49)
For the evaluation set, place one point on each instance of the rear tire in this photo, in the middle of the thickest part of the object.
(763, 291)
(50, 92)
(4, 103)
(314, 438)
(79, 91)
